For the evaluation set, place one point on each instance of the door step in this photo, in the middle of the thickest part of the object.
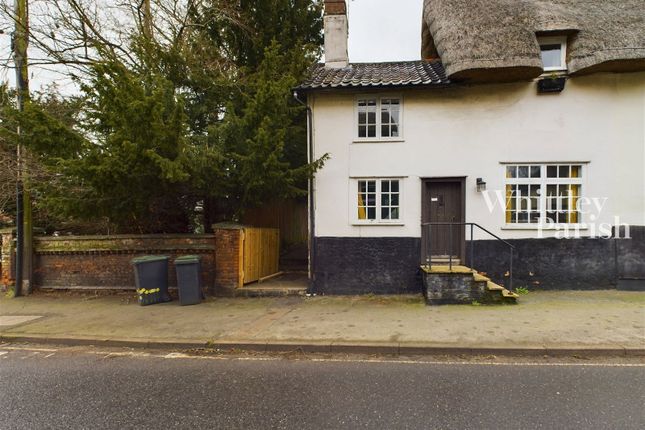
(256, 290)
(445, 260)
(461, 285)
(283, 284)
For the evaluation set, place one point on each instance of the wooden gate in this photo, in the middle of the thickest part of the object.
(261, 253)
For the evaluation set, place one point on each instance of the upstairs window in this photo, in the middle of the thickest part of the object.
(366, 118)
(554, 53)
(378, 118)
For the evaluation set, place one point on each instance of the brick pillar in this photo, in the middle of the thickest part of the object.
(228, 258)
(7, 257)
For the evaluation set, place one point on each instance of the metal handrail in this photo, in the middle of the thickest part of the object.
(472, 244)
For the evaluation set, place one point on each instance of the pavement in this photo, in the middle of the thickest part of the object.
(55, 389)
(543, 323)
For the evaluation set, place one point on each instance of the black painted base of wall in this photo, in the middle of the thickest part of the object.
(384, 265)
(631, 285)
(391, 265)
(563, 264)
(551, 264)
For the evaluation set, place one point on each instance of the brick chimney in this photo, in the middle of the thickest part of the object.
(336, 29)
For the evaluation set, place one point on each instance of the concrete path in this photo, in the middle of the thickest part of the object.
(543, 322)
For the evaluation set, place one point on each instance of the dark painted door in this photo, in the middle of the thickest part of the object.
(442, 203)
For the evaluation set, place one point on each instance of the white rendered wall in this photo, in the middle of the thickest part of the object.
(469, 131)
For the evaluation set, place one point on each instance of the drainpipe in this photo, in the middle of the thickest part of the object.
(310, 190)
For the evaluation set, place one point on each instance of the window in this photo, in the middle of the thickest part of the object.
(366, 118)
(379, 118)
(390, 114)
(554, 53)
(379, 200)
(543, 193)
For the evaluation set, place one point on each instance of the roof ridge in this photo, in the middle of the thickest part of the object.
(421, 61)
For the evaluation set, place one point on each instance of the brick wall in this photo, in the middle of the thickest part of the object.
(105, 261)
(228, 259)
(6, 258)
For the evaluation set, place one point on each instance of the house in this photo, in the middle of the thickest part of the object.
(524, 118)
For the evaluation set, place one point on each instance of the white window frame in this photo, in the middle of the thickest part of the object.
(353, 196)
(555, 40)
(543, 181)
(378, 138)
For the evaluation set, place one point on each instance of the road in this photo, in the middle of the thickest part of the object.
(50, 388)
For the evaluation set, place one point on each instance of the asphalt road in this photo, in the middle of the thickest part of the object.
(53, 389)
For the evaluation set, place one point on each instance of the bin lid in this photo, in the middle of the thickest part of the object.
(149, 259)
(187, 259)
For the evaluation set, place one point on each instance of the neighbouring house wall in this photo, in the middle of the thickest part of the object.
(470, 131)
(104, 262)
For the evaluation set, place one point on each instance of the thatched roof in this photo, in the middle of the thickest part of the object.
(488, 39)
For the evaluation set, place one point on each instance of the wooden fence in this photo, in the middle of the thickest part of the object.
(261, 253)
(289, 216)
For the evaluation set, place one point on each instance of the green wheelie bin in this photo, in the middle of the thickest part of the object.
(151, 279)
(189, 280)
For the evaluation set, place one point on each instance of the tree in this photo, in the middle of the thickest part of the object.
(293, 24)
(255, 140)
(127, 171)
(46, 126)
(183, 104)
(261, 135)
(130, 169)
(8, 142)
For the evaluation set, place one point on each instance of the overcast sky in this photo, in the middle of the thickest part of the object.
(379, 30)
(384, 30)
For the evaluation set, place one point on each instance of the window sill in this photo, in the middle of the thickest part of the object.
(361, 224)
(554, 227)
(397, 140)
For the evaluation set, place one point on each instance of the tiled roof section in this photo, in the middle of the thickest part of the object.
(365, 75)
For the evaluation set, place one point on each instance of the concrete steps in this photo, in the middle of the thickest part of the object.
(254, 290)
(461, 285)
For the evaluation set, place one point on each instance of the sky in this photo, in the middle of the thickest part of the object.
(379, 30)
(384, 30)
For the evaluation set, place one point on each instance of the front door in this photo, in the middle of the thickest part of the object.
(443, 203)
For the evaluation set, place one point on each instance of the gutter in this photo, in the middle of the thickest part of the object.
(310, 189)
